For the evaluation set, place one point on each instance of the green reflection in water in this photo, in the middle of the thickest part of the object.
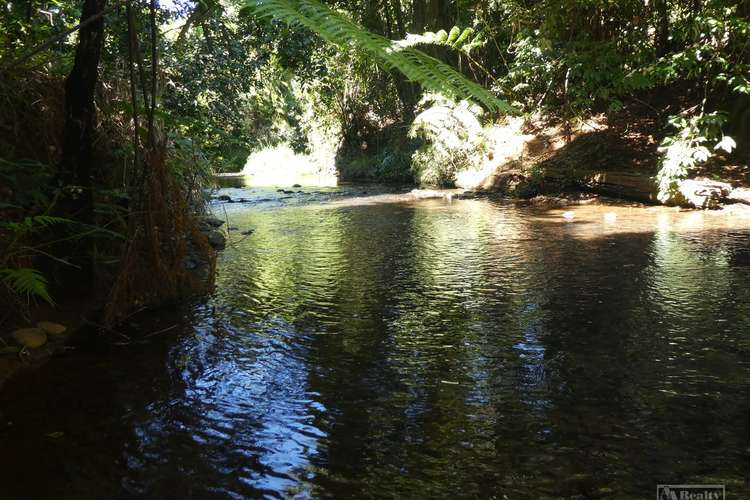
(427, 349)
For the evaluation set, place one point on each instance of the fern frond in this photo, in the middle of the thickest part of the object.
(456, 39)
(30, 224)
(26, 281)
(48, 220)
(417, 66)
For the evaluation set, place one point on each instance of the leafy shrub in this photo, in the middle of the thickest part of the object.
(454, 140)
(688, 147)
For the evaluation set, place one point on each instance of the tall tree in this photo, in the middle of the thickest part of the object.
(76, 168)
(76, 173)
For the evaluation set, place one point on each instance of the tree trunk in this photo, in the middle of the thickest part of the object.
(76, 168)
(80, 115)
(662, 28)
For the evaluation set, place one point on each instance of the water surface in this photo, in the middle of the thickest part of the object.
(426, 349)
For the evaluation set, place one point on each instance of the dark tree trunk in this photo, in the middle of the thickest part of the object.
(662, 28)
(76, 171)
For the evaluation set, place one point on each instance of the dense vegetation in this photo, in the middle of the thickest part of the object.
(109, 133)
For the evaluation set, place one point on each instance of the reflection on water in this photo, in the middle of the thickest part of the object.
(428, 349)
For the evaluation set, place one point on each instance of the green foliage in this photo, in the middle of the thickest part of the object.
(14, 236)
(34, 223)
(689, 147)
(28, 183)
(26, 282)
(191, 169)
(414, 64)
(454, 140)
(465, 40)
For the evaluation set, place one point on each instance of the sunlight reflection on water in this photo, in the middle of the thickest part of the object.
(428, 349)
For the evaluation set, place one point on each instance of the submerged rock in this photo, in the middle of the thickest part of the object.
(30, 337)
(247, 232)
(224, 197)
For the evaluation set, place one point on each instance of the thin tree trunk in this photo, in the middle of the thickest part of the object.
(154, 72)
(132, 44)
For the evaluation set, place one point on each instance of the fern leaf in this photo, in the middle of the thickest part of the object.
(463, 37)
(33, 223)
(26, 281)
(48, 220)
(417, 66)
(453, 34)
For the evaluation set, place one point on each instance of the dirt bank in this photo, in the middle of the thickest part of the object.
(616, 156)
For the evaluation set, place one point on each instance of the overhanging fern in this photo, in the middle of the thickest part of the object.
(417, 66)
(26, 281)
(455, 39)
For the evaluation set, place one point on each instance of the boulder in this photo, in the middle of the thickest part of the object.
(30, 337)
(740, 195)
(702, 193)
(217, 240)
(211, 221)
(224, 197)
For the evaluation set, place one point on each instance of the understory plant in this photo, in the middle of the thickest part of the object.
(695, 141)
(453, 140)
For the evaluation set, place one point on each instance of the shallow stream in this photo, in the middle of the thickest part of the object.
(425, 349)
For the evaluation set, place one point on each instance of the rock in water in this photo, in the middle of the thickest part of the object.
(211, 221)
(30, 337)
(54, 329)
(703, 193)
(217, 240)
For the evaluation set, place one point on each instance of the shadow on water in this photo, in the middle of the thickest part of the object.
(421, 350)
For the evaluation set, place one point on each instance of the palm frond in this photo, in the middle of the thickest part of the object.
(417, 66)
